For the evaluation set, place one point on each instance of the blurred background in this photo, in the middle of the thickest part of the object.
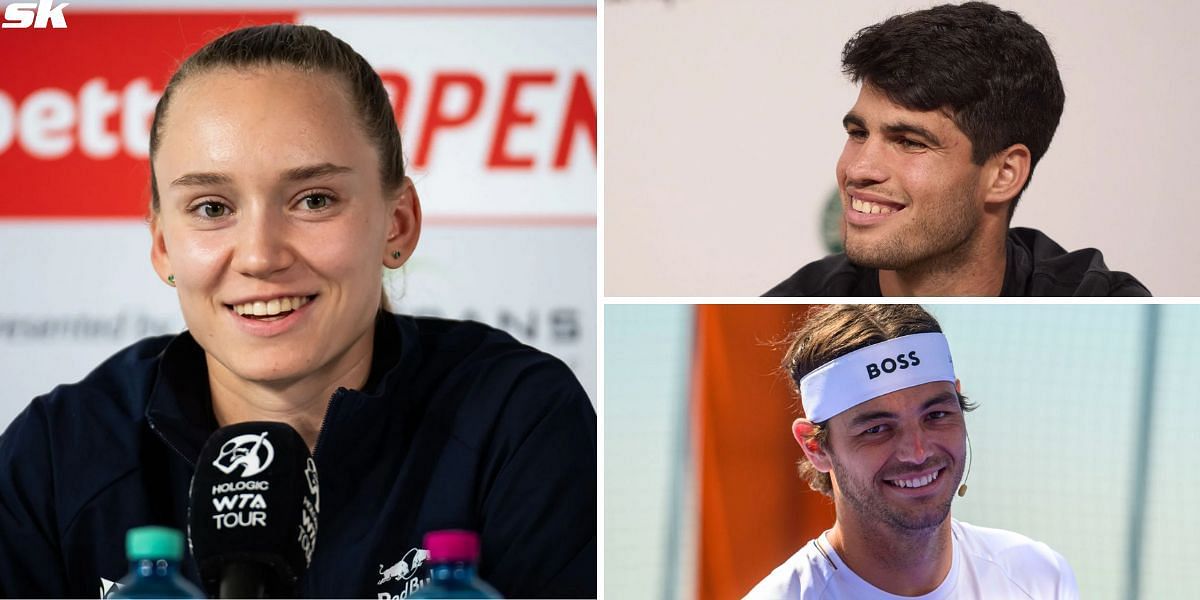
(723, 125)
(496, 102)
(1084, 439)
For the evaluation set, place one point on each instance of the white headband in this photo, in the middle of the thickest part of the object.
(866, 373)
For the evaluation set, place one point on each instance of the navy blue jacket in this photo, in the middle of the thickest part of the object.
(1035, 265)
(458, 426)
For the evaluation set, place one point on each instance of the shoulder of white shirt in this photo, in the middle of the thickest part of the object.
(803, 575)
(1022, 560)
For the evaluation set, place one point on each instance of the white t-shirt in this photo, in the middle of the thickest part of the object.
(987, 563)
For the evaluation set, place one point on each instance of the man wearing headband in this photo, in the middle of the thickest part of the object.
(884, 435)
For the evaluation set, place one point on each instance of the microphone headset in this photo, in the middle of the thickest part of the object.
(962, 489)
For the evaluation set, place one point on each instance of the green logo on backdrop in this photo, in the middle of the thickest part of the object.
(831, 223)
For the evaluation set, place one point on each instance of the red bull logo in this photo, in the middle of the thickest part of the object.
(405, 568)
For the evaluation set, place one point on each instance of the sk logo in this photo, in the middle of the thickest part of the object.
(22, 15)
(251, 451)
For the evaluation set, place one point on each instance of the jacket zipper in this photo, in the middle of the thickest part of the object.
(166, 441)
(337, 394)
(320, 433)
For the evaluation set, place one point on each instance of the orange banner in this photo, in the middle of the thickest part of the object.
(755, 511)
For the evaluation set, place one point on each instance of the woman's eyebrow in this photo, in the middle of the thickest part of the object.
(294, 174)
(314, 171)
(202, 179)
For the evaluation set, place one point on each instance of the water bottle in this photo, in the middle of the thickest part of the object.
(154, 554)
(452, 557)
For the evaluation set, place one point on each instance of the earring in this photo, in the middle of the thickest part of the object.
(397, 254)
(171, 280)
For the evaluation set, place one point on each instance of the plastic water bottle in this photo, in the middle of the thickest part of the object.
(452, 557)
(154, 554)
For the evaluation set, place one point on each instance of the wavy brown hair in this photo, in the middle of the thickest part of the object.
(830, 332)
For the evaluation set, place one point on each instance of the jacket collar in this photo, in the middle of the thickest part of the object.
(1018, 267)
(180, 405)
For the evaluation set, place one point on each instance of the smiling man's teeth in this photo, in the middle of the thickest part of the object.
(271, 307)
(870, 208)
(915, 483)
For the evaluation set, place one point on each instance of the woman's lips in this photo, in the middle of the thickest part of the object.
(270, 307)
(272, 325)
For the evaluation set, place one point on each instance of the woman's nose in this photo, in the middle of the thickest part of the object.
(262, 249)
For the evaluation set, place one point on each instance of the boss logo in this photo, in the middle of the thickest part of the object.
(889, 365)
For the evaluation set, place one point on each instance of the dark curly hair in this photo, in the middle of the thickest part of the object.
(992, 72)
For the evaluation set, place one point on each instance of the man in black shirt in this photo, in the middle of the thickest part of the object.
(957, 105)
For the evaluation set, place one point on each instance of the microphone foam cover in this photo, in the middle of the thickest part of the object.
(254, 499)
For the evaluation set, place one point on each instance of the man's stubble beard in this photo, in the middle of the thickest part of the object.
(871, 506)
(936, 243)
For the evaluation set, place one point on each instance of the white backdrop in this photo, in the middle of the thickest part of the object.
(723, 124)
(510, 241)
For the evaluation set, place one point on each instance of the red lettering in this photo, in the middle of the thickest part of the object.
(435, 119)
(581, 111)
(510, 116)
(396, 86)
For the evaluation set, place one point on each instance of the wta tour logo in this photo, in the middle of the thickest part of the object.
(252, 452)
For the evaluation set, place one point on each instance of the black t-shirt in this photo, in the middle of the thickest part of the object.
(1035, 266)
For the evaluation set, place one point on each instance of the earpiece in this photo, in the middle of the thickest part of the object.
(962, 489)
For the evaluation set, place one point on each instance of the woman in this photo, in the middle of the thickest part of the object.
(278, 194)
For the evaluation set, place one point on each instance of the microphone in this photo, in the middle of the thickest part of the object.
(962, 489)
(252, 511)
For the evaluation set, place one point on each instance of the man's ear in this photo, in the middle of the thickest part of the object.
(404, 226)
(158, 251)
(802, 430)
(1007, 173)
(958, 385)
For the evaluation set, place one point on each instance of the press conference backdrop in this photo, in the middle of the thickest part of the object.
(1083, 439)
(723, 125)
(496, 103)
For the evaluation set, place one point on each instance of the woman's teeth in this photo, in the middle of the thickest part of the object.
(870, 208)
(270, 307)
(915, 483)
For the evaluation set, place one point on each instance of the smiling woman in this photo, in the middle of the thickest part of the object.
(277, 192)
(278, 196)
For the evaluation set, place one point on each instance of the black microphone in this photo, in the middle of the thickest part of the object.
(252, 511)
